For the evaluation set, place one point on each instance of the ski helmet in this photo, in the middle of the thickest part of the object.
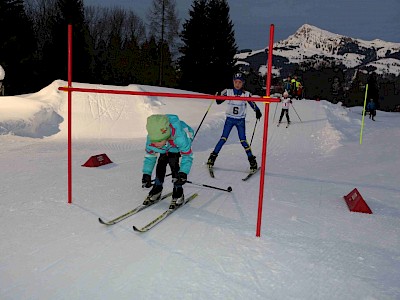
(238, 76)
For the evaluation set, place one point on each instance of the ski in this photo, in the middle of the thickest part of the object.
(163, 216)
(211, 170)
(251, 174)
(287, 125)
(133, 211)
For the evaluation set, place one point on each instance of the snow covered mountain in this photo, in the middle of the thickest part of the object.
(316, 46)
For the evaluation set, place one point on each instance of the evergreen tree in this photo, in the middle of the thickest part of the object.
(135, 35)
(373, 89)
(194, 59)
(114, 59)
(164, 26)
(130, 61)
(355, 95)
(222, 44)
(68, 12)
(169, 77)
(207, 62)
(17, 47)
(149, 65)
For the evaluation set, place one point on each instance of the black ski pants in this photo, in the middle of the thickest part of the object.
(284, 111)
(171, 159)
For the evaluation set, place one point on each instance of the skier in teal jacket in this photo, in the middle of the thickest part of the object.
(171, 138)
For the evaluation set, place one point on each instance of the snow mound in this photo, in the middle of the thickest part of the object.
(28, 118)
(94, 115)
(346, 124)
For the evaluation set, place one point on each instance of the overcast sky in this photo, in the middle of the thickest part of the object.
(364, 19)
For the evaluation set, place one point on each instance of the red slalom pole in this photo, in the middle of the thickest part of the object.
(265, 136)
(69, 114)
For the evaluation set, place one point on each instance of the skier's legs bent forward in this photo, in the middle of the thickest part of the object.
(164, 159)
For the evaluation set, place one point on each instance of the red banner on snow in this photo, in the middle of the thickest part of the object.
(356, 203)
(97, 160)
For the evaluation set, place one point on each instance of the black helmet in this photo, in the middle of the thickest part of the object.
(238, 76)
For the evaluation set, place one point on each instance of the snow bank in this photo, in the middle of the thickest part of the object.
(346, 124)
(94, 115)
(24, 117)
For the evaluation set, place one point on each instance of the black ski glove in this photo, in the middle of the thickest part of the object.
(258, 114)
(218, 101)
(182, 178)
(146, 181)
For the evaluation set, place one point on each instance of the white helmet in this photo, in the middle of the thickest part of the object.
(285, 94)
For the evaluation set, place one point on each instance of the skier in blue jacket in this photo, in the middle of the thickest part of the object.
(171, 138)
(287, 85)
(235, 117)
(371, 107)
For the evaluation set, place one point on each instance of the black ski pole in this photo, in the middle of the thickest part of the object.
(254, 130)
(204, 117)
(273, 120)
(229, 189)
(297, 113)
(165, 176)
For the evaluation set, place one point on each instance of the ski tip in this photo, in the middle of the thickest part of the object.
(105, 223)
(137, 229)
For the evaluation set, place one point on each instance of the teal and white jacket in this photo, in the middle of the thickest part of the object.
(180, 141)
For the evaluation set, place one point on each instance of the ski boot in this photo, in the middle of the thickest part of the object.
(154, 195)
(253, 164)
(177, 198)
(211, 159)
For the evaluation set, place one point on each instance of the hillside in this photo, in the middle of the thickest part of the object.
(330, 66)
(312, 44)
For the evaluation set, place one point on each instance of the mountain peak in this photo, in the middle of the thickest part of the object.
(317, 47)
(309, 36)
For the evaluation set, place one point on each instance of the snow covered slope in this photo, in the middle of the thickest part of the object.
(311, 246)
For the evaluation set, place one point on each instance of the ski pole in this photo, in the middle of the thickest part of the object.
(204, 116)
(165, 176)
(229, 189)
(297, 113)
(273, 120)
(253, 132)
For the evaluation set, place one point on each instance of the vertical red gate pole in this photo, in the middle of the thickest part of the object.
(265, 137)
(69, 114)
